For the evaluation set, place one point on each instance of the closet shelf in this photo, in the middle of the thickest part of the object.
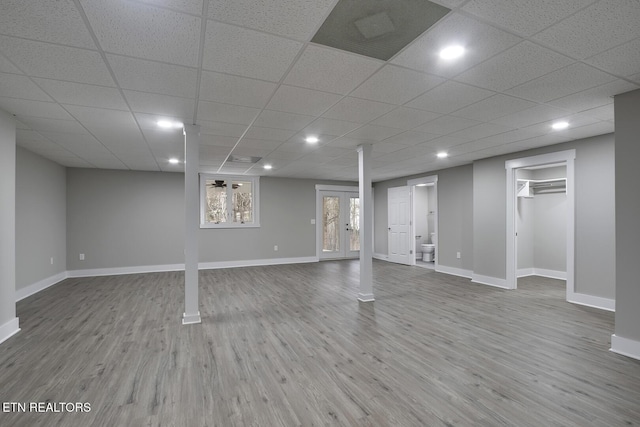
(529, 187)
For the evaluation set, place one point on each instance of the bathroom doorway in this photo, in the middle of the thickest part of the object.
(424, 221)
(523, 183)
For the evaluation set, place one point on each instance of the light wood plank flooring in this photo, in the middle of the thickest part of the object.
(290, 345)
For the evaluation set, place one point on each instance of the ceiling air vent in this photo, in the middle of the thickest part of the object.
(244, 159)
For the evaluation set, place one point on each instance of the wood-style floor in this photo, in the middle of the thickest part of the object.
(290, 345)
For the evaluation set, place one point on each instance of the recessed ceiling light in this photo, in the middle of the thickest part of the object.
(312, 139)
(452, 52)
(174, 161)
(442, 155)
(267, 167)
(560, 125)
(168, 124)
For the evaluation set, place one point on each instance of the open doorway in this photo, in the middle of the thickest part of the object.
(526, 178)
(424, 221)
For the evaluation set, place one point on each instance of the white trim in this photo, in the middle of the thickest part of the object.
(9, 329)
(431, 179)
(454, 271)
(625, 346)
(322, 187)
(180, 267)
(40, 285)
(366, 297)
(115, 271)
(255, 262)
(383, 257)
(542, 272)
(255, 202)
(568, 158)
(524, 272)
(592, 301)
(488, 280)
(191, 319)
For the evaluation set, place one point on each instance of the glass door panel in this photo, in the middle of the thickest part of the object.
(331, 224)
(340, 233)
(354, 224)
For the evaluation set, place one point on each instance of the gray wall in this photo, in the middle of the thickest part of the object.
(124, 218)
(627, 112)
(455, 215)
(595, 256)
(41, 223)
(7, 218)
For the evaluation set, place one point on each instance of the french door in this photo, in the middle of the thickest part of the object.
(340, 224)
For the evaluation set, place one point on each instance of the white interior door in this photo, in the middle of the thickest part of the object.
(399, 224)
(340, 224)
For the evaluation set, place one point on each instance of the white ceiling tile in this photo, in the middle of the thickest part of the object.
(357, 110)
(599, 128)
(446, 124)
(154, 77)
(16, 86)
(411, 138)
(281, 120)
(531, 116)
(605, 24)
(324, 126)
(566, 81)
(444, 142)
(256, 132)
(29, 135)
(235, 90)
(396, 85)
(248, 53)
(105, 162)
(295, 147)
(524, 17)
(221, 129)
(214, 111)
(46, 60)
(121, 140)
(262, 144)
(54, 21)
(53, 125)
(6, 66)
(384, 148)
(23, 107)
(101, 116)
(193, 7)
(292, 99)
(330, 70)
(143, 31)
(254, 152)
(480, 41)
(283, 155)
(297, 19)
(535, 142)
(622, 60)
(150, 121)
(405, 118)
(449, 97)
(373, 132)
(480, 131)
(574, 120)
(83, 94)
(494, 107)
(521, 63)
(218, 141)
(594, 97)
(349, 143)
(606, 112)
(161, 105)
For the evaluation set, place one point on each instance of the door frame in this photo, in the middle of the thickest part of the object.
(567, 158)
(318, 220)
(431, 180)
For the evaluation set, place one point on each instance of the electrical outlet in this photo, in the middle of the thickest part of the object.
(458, 255)
(313, 221)
(275, 248)
(51, 260)
(81, 257)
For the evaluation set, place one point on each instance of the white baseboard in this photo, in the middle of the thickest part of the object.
(40, 285)
(191, 319)
(366, 297)
(592, 301)
(542, 272)
(382, 257)
(454, 271)
(524, 272)
(625, 346)
(115, 271)
(488, 280)
(255, 262)
(9, 329)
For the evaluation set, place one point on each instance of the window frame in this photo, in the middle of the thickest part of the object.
(255, 200)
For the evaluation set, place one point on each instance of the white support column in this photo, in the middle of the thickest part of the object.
(192, 223)
(366, 224)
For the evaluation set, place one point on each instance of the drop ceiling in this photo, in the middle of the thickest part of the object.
(87, 81)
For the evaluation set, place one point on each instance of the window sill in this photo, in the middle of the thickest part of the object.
(236, 226)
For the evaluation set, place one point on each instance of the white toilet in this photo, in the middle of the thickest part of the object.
(429, 249)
